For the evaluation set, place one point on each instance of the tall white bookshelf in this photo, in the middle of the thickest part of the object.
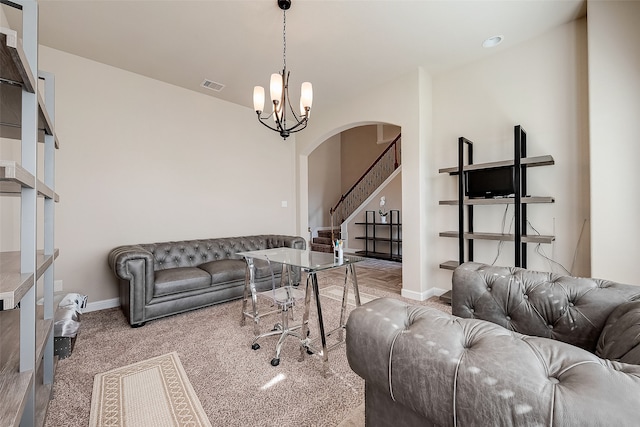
(26, 329)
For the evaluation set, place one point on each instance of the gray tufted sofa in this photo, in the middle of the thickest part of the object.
(531, 349)
(161, 279)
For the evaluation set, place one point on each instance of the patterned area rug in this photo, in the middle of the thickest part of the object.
(335, 293)
(154, 393)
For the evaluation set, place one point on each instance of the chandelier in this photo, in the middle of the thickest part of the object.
(279, 88)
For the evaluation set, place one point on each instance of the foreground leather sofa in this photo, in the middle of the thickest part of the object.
(161, 279)
(531, 349)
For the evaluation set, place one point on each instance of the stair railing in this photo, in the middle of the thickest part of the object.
(374, 176)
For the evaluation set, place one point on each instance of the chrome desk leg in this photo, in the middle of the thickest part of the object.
(305, 320)
(323, 338)
(286, 269)
(245, 295)
(354, 279)
(345, 297)
(251, 283)
(349, 271)
(306, 342)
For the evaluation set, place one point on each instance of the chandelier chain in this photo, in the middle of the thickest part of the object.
(284, 39)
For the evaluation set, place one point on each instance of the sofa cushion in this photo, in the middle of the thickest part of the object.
(224, 270)
(620, 338)
(263, 269)
(229, 270)
(180, 279)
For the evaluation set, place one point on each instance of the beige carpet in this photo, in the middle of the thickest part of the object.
(153, 393)
(235, 385)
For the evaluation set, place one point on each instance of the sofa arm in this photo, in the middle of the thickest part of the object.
(119, 260)
(281, 241)
(464, 372)
(133, 266)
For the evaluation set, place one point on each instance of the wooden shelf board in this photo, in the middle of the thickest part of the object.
(11, 115)
(528, 161)
(446, 297)
(14, 177)
(500, 201)
(14, 385)
(45, 191)
(538, 239)
(14, 62)
(13, 284)
(45, 119)
(13, 388)
(379, 239)
(44, 394)
(500, 236)
(379, 255)
(449, 265)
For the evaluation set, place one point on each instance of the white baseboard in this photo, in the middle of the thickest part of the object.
(422, 296)
(102, 305)
(418, 296)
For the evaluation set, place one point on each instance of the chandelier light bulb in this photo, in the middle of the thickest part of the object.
(258, 99)
(276, 87)
(306, 95)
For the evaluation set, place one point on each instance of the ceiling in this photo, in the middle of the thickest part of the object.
(344, 47)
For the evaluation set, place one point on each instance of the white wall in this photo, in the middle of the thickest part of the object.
(142, 161)
(541, 85)
(359, 149)
(614, 106)
(325, 179)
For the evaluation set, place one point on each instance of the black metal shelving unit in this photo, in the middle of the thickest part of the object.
(390, 237)
(520, 163)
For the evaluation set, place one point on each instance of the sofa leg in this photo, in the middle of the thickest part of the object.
(138, 325)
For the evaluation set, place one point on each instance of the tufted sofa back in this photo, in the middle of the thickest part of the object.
(569, 309)
(191, 253)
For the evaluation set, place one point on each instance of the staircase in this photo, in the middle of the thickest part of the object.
(379, 170)
(323, 243)
(377, 173)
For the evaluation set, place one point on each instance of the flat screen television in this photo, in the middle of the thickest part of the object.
(489, 183)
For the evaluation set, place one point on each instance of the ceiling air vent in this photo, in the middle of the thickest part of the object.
(209, 84)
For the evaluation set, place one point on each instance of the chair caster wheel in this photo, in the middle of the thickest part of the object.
(275, 362)
(255, 346)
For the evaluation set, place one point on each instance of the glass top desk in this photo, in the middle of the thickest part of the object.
(311, 263)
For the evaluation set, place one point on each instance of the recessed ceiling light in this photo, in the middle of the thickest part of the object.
(492, 41)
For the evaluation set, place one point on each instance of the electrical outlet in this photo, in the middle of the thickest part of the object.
(57, 286)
